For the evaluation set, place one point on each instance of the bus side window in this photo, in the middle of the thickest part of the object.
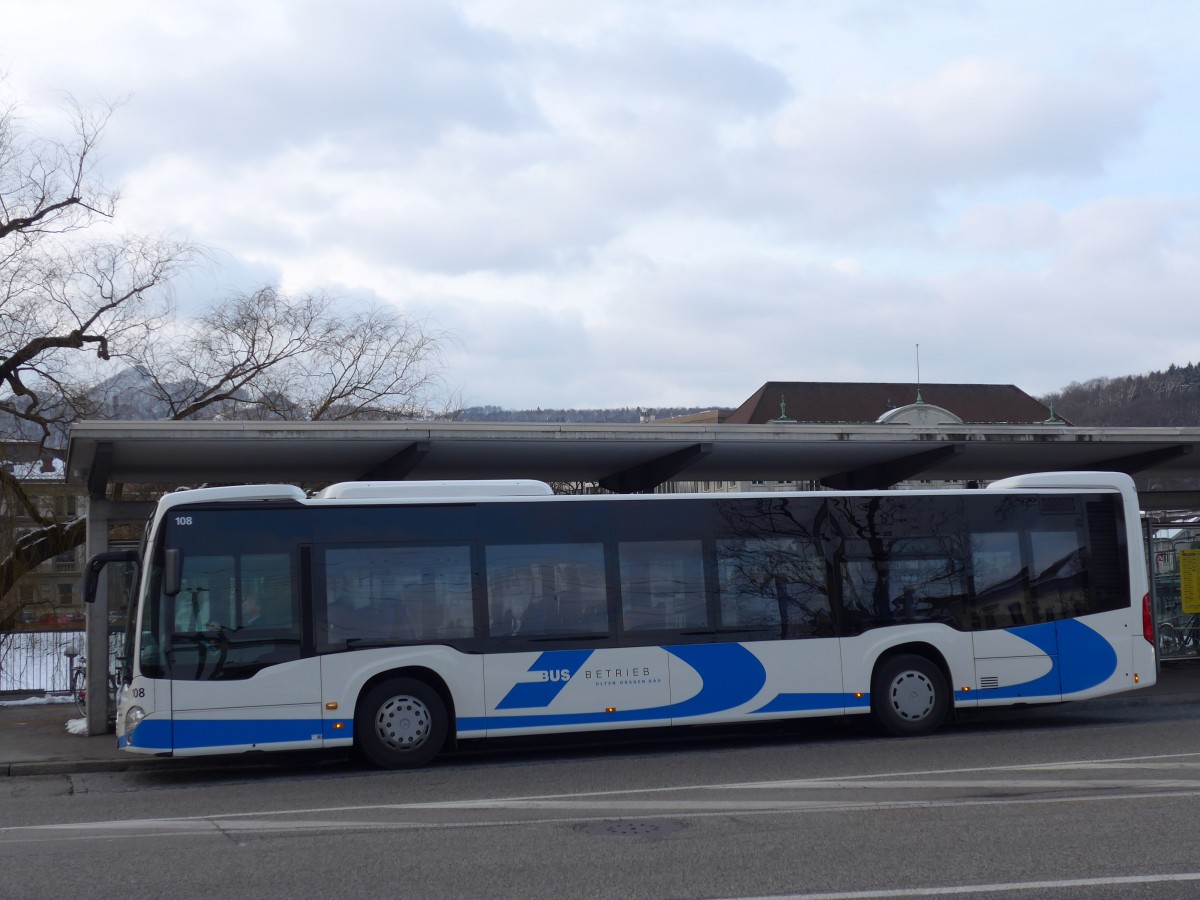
(1000, 596)
(662, 585)
(776, 584)
(396, 594)
(1059, 576)
(537, 590)
(510, 593)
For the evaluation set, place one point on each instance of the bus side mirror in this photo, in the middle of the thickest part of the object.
(96, 565)
(172, 571)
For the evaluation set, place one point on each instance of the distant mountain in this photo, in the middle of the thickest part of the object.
(128, 395)
(1170, 398)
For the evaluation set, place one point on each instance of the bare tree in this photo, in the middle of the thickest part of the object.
(76, 297)
(267, 355)
(69, 282)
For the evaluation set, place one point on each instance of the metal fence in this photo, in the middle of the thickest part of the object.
(36, 661)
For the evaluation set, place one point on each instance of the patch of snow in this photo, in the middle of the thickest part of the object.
(39, 701)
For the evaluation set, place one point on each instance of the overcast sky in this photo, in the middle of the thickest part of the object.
(669, 203)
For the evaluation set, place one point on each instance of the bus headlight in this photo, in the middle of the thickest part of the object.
(133, 716)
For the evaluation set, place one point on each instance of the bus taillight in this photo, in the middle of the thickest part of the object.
(1147, 620)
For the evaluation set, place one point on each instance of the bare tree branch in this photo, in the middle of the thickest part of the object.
(268, 355)
(73, 303)
(65, 296)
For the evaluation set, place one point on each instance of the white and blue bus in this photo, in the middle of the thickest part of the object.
(400, 618)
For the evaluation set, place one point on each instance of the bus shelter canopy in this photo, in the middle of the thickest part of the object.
(625, 458)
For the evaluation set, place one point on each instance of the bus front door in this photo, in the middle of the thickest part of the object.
(238, 682)
(241, 695)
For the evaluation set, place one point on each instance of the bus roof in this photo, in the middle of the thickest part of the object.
(404, 490)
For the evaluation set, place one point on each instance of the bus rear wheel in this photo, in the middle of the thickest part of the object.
(401, 723)
(909, 696)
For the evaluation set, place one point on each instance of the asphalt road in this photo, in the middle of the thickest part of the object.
(1075, 801)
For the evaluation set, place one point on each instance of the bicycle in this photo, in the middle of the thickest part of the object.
(79, 680)
(1180, 636)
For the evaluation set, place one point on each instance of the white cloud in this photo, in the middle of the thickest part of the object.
(1021, 226)
(854, 162)
(622, 204)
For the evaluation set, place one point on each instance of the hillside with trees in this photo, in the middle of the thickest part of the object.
(1167, 398)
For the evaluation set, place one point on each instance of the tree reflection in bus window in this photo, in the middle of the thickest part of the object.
(776, 584)
(909, 580)
(1059, 564)
(1001, 582)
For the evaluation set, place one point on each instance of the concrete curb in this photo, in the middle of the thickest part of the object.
(155, 763)
(84, 766)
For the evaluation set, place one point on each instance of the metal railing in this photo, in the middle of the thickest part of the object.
(36, 661)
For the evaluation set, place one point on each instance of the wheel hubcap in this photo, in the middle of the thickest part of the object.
(913, 696)
(403, 723)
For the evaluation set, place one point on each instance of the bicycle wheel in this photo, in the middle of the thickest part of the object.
(1189, 637)
(79, 690)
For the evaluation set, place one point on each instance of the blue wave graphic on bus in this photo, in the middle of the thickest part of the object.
(730, 675)
(557, 668)
(1080, 659)
(190, 734)
(789, 703)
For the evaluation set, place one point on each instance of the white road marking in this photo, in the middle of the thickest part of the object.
(588, 806)
(584, 812)
(1011, 887)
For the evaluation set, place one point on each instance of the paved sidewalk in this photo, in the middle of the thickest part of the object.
(34, 739)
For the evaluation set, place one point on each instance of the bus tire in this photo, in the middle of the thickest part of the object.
(401, 723)
(909, 696)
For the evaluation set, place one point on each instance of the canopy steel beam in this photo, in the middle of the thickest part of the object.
(1137, 462)
(872, 478)
(400, 465)
(646, 477)
(101, 470)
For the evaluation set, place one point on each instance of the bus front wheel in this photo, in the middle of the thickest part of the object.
(909, 696)
(401, 724)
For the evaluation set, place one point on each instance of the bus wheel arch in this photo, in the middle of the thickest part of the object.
(910, 691)
(403, 718)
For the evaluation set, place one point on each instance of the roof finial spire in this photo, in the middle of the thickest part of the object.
(919, 400)
(783, 416)
(1054, 419)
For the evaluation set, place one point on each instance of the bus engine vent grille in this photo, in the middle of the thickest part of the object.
(987, 682)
